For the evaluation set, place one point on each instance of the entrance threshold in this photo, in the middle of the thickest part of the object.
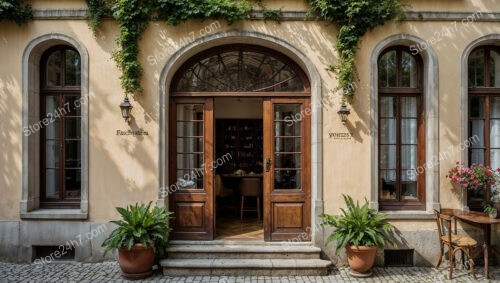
(237, 243)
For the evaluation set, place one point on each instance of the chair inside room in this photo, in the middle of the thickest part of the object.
(224, 196)
(448, 237)
(250, 187)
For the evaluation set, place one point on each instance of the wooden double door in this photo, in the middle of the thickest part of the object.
(286, 181)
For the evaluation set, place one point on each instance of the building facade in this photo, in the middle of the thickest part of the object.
(426, 97)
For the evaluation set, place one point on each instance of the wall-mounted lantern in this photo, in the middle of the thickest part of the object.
(343, 112)
(126, 108)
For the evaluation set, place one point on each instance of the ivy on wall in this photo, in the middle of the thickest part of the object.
(133, 17)
(97, 9)
(15, 11)
(354, 18)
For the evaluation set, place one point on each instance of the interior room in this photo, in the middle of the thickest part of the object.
(238, 181)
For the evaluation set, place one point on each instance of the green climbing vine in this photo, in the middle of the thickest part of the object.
(15, 11)
(133, 17)
(354, 18)
(97, 9)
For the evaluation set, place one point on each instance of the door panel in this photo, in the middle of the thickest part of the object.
(287, 207)
(191, 183)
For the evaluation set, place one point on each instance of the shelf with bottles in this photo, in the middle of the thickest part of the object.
(243, 138)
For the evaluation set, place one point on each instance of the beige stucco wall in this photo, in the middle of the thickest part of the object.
(124, 169)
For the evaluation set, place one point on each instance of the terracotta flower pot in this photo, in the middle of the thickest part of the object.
(137, 262)
(361, 259)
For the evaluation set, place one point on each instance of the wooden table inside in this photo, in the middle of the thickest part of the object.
(232, 180)
(479, 219)
(240, 176)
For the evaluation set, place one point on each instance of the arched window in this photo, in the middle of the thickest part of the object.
(240, 68)
(60, 138)
(484, 112)
(401, 131)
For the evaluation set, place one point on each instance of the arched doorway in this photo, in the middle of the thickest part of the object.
(279, 156)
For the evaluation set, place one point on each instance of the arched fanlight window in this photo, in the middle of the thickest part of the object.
(240, 68)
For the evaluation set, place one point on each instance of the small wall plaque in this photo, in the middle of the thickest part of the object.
(139, 132)
(340, 136)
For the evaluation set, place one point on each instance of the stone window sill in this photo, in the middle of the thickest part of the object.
(55, 214)
(409, 215)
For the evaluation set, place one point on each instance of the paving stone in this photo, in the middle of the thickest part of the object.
(110, 272)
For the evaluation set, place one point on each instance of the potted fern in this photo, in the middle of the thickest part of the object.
(141, 233)
(361, 230)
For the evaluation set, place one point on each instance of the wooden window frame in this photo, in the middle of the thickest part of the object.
(61, 92)
(399, 92)
(486, 92)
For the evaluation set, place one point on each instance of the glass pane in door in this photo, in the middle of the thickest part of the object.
(190, 152)
(287, 146)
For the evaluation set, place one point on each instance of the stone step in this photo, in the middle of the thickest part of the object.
(238, 242)
(239, 251)
(238, 267)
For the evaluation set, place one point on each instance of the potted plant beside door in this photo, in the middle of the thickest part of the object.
(361, 230)
(141, 234)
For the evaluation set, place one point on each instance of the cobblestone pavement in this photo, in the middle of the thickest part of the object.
(110, 272)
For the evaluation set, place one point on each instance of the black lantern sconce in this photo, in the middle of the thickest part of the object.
(126, 108)
(343, 113)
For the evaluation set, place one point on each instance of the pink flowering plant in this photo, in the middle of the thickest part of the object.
(475, 177)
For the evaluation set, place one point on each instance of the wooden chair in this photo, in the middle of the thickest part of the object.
(222, 192)
(454, 242)
(250, 187)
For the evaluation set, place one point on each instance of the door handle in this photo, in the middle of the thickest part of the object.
(268, 164)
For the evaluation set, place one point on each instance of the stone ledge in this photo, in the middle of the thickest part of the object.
(416, 215)
(54, 14)
(81, 14)
(55, 214)
(447, 16)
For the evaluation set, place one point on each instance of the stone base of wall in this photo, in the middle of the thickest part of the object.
(18, 239)
(425, 244)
